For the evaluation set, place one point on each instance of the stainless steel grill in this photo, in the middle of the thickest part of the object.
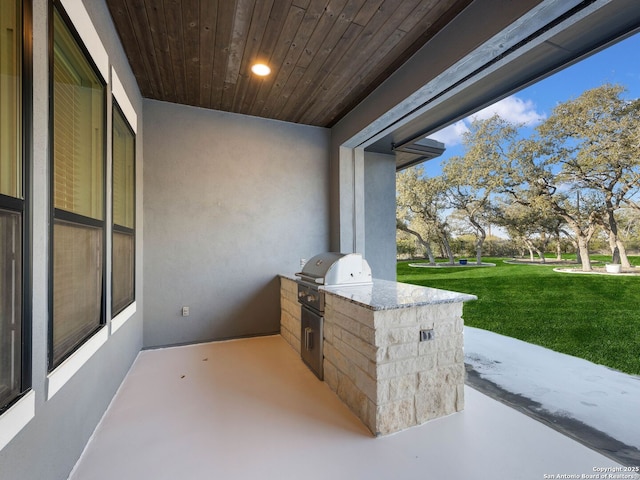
(336, 269)
(326, 269)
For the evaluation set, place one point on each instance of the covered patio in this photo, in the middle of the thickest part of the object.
(226, 199)
(251, 409)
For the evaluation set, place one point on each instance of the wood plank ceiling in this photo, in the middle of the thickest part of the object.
(325, 55)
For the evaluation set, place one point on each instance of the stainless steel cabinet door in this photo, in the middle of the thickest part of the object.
(311, 339)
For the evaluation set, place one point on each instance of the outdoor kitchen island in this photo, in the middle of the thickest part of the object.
(393, 352)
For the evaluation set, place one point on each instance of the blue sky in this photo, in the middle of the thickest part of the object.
(618, 64)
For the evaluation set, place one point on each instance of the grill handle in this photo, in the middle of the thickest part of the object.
(310, 278)
(308, 338)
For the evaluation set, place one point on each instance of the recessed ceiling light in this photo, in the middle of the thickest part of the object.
(261, 69)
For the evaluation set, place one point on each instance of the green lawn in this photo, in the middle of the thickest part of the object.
(595, 317)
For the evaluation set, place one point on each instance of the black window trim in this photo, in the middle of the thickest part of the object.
(11, 203)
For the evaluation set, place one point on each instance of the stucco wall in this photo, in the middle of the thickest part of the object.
(230, 202)
(380, 214)
(48, 447)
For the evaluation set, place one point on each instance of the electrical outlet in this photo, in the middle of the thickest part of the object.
(185, 311)
(426, 335)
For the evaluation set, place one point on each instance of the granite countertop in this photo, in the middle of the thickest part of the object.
(388, 295)
(290, 276)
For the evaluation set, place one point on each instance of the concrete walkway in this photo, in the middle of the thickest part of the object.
(593, 404)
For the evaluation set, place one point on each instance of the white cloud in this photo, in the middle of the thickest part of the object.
(451, 135)
(512, 109)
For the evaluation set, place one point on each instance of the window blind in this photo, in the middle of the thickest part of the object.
(12, 350)
(10, 305)
(78, 129)
(78, 195)
(123, 252)
(10, 99)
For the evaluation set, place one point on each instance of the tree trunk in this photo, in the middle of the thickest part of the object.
(558, 249)
(447, 247)
(481, 236)
(578, 256)
(583, 254)
(624, 260)
(479, 243)
(529, 245)
(582, 239)
(423, 242)
(618, 252)
(615, 252)
(427, 248)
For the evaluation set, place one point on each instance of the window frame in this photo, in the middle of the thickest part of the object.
(22, 205)
(115, 228)
(64, 216)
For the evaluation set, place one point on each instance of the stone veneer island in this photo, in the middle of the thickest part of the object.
(393, 352)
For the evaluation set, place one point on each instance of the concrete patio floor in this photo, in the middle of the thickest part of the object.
(251, 409)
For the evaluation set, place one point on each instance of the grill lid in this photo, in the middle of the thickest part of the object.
(333, 268)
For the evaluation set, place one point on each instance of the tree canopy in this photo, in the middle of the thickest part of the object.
(571, 176)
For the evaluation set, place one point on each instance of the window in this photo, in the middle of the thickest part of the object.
(78, 94)
(14, 344)
(123, 254)
(10, 305)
